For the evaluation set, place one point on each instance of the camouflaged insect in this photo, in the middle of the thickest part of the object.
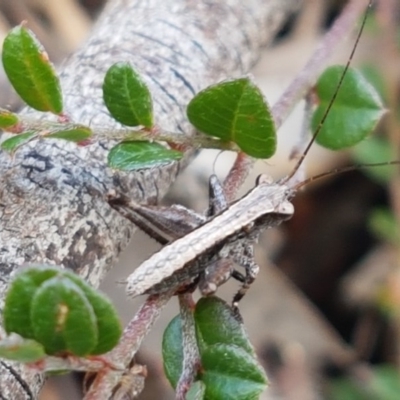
(200, 253)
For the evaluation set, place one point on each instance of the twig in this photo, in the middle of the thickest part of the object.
(304, 138)
(237, 175)
(129, 344)
(191, 355)
(302, 84)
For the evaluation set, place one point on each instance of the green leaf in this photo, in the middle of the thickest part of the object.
(108, 323)
(235, 111)
(77, 133)
(376, 150)
(25, 286)
(172, 351)
(63, 319)
(22, 350)
(230, 373)
(7, 119)
(354, 114)
(197, 391)
(383, 223)
(217, 323)
(229, 366)
(127, 97)
(30, 72)
(13, 143)
(230, 369)
(384, 384)
(18, 300)
(130, 156)
(345, 389)
(375, 77)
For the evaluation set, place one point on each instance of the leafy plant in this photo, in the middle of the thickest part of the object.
(234, 113)
(230, 369)
(61, 312)
(52, 312)
(29, 70)
(352, 117)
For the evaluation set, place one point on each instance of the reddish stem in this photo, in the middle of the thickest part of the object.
(129, 344)
(301, 85)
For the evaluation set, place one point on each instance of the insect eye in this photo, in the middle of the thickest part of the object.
(263, 179)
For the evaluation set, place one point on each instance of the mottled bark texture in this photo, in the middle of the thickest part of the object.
(52, 194)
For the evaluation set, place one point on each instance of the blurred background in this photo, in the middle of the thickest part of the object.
(324, 313)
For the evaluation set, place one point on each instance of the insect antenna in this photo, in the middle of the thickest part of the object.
(334, 96)
(339, 170)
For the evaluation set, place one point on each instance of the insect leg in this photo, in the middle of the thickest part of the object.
(243, 254)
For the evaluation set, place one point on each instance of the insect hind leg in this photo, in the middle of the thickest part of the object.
(244, 256)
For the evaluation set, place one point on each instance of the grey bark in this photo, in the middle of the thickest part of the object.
(52, 194)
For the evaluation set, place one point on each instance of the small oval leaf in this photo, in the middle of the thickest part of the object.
(109, 326)
(130, 156)
(7, 119)
(229, 372)
(64, 319)
(235, 111)
(172, 351)
(217, 323)
(354, 114)
(22, 350)
(127, 97)
(13, 143)
(76, 133)
(30, 72)
(18, 300)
